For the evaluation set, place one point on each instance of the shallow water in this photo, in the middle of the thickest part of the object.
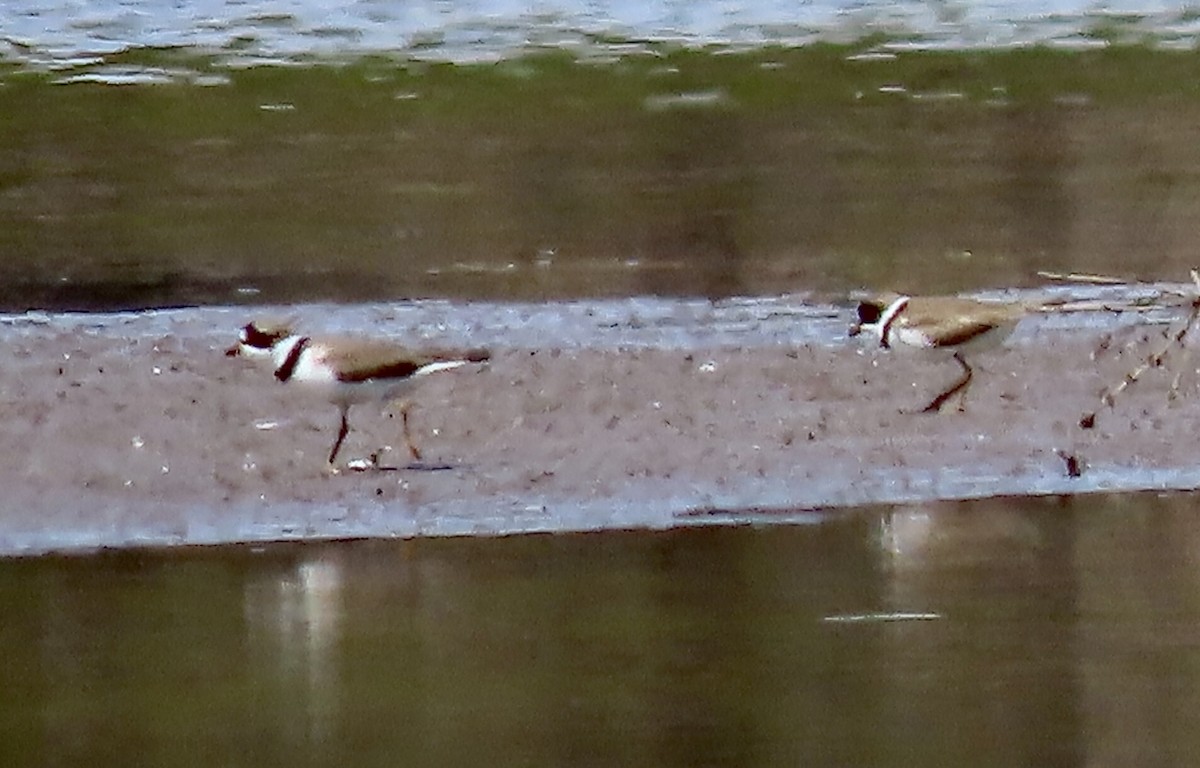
(665, 172)
(50, 33)
(633, 322)
(993, 632)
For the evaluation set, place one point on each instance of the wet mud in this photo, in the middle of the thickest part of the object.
(136, 429)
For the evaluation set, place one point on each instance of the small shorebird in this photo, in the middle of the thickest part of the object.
(939, 322)
(352, 370)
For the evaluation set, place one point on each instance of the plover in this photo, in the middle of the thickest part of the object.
(939, 322)
(351, 370)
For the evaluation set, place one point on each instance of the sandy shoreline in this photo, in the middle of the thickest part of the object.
(135, 430)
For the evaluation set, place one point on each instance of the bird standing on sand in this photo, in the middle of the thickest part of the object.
(940, 323)
(352, 370)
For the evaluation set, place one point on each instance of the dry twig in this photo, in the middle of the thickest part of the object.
(1108, 398)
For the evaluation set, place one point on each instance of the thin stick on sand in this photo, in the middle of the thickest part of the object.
(1155, 360)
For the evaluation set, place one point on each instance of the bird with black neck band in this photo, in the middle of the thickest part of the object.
(351, 370)
(957, 326)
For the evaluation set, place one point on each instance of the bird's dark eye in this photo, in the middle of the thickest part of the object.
(869, 312)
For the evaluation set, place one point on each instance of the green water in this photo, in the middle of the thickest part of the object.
(681, 172)
(1059, 632)
(1056, 631)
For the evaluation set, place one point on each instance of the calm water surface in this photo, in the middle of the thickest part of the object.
(992, 633)
(666, 171)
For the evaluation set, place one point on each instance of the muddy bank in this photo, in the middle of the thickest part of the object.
(136, 430)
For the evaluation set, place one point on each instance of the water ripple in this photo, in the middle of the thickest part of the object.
(45, 33)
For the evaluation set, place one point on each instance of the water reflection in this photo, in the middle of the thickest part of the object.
(1002, 575)
(1055, 631)
(300, 612)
